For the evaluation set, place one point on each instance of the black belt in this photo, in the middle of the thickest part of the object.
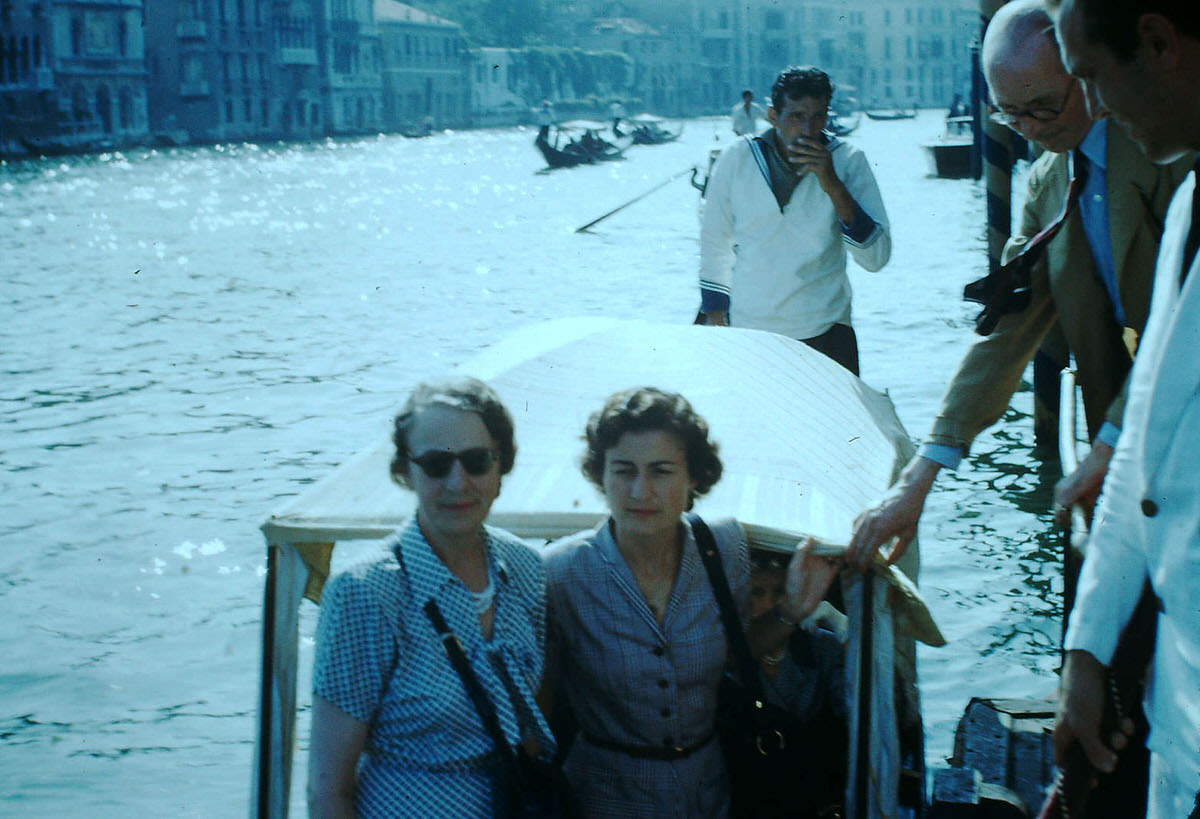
(650, 751)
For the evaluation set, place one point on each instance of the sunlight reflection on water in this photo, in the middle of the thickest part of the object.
(193, 335)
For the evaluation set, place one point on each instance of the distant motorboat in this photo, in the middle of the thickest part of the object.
(950, 155)
(898, 113)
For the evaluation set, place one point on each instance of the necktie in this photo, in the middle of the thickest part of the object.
(1007, 289)
(1193, 237)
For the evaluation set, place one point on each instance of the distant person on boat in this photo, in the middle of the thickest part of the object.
(794, 202)
(745, 115)
(1140, 65)
(637, 645)
(616, 112)
(394, 732)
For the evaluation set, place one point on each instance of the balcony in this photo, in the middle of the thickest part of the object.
(191, 30)
(298, 56)
(194, 88)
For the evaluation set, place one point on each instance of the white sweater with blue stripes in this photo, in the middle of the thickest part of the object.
(784, 270)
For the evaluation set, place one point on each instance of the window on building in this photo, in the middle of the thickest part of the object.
(125, 109)
(228, 109)
(887, 48)
(887, 17)
(193, 68)
(122, 37)
(266, 113)
(908, 47)
(77, 36)
(247, 108)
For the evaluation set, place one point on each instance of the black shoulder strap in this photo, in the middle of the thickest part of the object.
(711, 558)
(479, 697)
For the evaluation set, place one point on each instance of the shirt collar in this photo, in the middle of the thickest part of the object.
(1095, 144)
(427, 575)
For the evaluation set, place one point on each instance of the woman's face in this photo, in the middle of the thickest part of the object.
(766, 589)
(453, 506)
(647, 483)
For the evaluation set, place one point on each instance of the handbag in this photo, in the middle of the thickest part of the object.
(779, 765)
(537, 789)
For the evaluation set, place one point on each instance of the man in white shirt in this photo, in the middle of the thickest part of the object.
(745, 115)
(782, 212)
(1139, 61)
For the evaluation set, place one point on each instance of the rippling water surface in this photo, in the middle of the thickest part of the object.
(189, 337)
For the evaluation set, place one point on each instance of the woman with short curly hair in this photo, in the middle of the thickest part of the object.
(637, 647)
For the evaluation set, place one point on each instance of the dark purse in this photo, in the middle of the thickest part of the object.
(779, 766)
(537, 789)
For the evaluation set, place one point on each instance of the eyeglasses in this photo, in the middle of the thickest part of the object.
(1013, 118)
(437, 463)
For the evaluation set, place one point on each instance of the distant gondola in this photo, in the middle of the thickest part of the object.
(587, 148)
(648, 130)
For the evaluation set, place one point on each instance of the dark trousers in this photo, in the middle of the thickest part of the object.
(839, 343)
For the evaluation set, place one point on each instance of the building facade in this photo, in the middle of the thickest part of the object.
(72, 74)
(426, 69)
(211, 68)
(301, 70)
(355, 68)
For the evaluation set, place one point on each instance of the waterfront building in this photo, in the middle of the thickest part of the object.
(425, 70)
(210, 67)
(661, 69)
(355, 68)
(493, 84)
(72, 75)
(301, 72)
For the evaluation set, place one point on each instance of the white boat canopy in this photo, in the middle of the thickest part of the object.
(805, 445)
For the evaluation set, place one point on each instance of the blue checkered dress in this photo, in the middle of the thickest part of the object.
(379, 659)
(630, 681)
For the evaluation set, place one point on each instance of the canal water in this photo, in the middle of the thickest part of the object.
(189, 337)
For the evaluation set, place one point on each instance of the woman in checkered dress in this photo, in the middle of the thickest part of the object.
(394, 733)
(637, 647)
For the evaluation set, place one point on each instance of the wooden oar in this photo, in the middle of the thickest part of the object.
(640, 196)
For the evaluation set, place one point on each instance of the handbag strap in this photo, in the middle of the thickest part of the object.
(479, 697)
(711, 558)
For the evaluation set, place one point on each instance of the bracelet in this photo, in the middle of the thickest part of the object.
(779, 616)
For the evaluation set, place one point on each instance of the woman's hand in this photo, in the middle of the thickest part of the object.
(808, 579)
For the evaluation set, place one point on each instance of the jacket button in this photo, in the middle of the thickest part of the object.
(1149, 508)
(665, 712)
(659, 651)
(663, 683)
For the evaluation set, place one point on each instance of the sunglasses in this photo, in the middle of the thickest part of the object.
(437, 463)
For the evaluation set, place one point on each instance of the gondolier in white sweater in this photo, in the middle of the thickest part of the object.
(781, 212)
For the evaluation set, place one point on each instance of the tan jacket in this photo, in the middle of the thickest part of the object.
(1067, 288)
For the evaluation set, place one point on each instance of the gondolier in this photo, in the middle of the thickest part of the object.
(782, 211)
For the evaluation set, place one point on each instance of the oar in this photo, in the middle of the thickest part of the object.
(640, 196)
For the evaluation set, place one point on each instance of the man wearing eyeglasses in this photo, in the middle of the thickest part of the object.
(781, 212)
(1094, 278)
